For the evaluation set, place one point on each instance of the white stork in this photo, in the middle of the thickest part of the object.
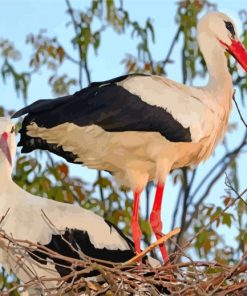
(27, 217)
(140, 127)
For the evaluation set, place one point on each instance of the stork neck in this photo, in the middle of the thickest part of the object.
(220, 81)
(5, 175)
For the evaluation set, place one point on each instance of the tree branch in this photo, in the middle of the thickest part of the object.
(239, 112)
(167, 58)
(186, 201)
(231, 156)
(70, 11)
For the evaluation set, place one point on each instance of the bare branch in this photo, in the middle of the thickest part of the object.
(230, 204)
(162, 240)
(71, 13)
(239, 112)
(175, 39)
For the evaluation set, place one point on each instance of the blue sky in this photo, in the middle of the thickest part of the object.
(21, 17)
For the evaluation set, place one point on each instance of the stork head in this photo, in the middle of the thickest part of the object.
(7, 140)
(222, 28)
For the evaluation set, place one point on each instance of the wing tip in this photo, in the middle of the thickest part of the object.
(19, 113)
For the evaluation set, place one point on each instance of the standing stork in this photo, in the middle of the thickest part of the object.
(66, 229)
(140, 127)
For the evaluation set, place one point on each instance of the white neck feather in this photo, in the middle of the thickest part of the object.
(220, 81)
(6, 175)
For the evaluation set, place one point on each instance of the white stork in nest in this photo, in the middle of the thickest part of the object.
(66, 229)
(140, 127)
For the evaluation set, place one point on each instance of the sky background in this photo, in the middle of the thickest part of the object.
(18, 18)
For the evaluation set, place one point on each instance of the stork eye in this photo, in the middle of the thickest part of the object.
(230, 28)
(12, 129)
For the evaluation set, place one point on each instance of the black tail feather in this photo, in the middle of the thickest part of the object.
(41, 106)
(29, 144)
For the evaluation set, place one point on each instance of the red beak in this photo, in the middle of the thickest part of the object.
(238, 51)
(5, 147)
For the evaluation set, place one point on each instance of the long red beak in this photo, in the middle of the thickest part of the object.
(238, 51)
(5, 147)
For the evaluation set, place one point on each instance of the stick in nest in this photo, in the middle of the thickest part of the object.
(160, 241)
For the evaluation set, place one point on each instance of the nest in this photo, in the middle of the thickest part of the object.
(181, 276)
(130, 278)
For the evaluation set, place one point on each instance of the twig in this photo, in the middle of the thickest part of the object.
(228, 275)
(238, 109)
(230, 204)
(229, 185)
(167, 58)
(102, 193)
(4, 216)
(225, 160)
(162, 240)
(70, 11)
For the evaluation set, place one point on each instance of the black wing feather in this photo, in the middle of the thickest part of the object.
(75, 242)
(105, 104)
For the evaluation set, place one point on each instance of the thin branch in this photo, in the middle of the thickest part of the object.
(220, 162)
(230, 204)
(71, 13)
(231, 188)
(70, 58)
(186, 202)
(147, 191)
(87, 71)
(177, 206)
(167, 58)
(191, 184)
(184, 207)
(225, 160)
(239, 112)
(160, 241)
(101, 192)
(4, 216)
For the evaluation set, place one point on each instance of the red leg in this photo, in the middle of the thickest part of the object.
(136, 231)
(155, 218)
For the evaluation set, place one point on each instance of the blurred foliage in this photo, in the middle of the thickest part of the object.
(10, 54)
(43, 176)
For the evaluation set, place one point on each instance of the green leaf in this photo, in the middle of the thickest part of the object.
(149, 26)
(226, 219)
